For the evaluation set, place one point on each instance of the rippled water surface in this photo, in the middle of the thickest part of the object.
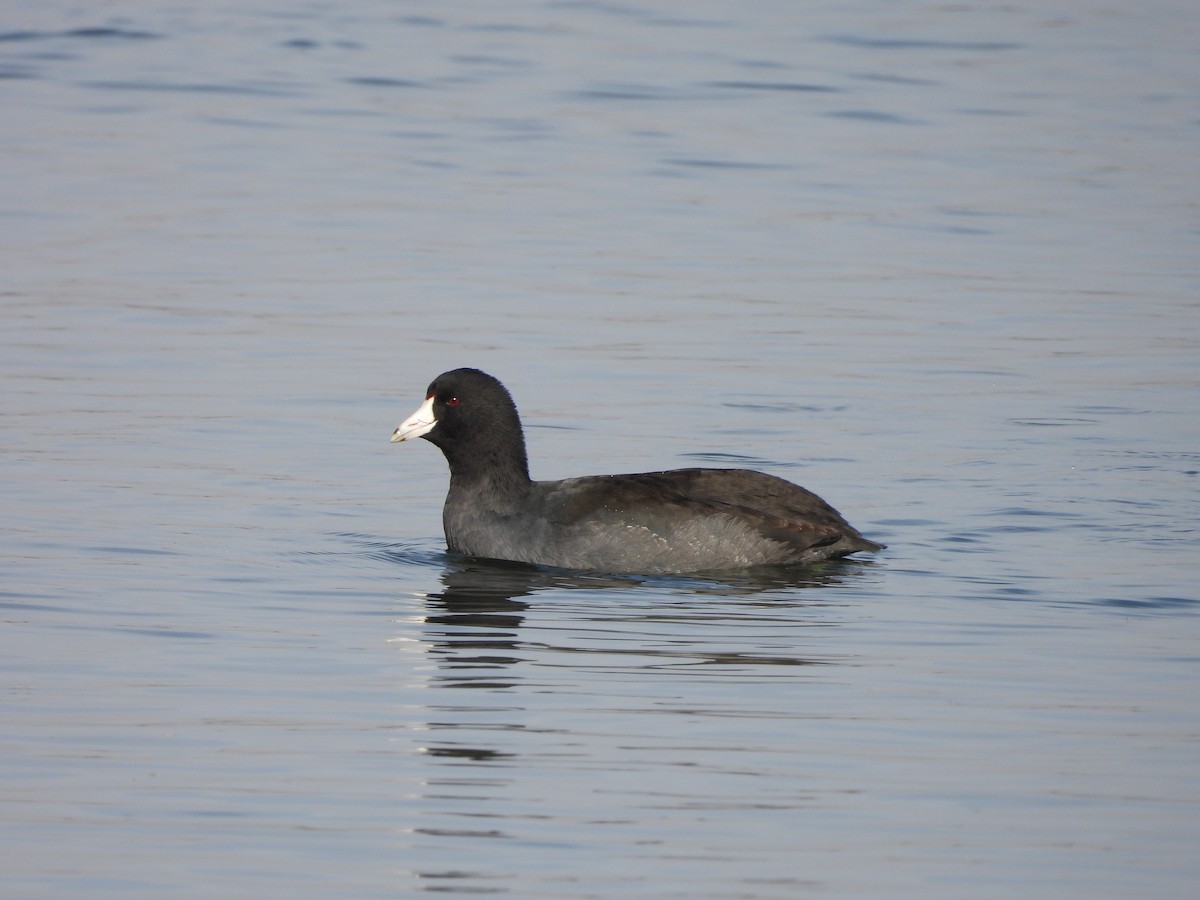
(936, 262)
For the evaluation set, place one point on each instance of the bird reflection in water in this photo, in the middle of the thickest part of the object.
(473, 623)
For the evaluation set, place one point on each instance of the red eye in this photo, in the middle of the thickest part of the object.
(453, 401)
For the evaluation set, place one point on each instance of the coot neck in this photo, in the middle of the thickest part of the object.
(502, 471)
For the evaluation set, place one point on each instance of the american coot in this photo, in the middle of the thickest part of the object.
(684, 520)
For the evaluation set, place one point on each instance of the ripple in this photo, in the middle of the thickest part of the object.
(787, 87)
(80, 33)
(725, 164)
(639, 92)
(193, 88)
(1053, 422)
(872, 115)
(384, 82)
(1151, 603)
(874, 43)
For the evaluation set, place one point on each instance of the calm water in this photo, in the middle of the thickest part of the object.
(938, 263)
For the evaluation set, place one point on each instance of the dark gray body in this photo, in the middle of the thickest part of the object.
(686, 520)
(679, 521)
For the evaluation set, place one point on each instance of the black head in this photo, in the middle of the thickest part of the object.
(472, 418)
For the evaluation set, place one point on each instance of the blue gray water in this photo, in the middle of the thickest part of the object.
(936, 262)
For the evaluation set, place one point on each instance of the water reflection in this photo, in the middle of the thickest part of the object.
(477, 584)
(472, 625)
(568, 672)
(618, 624)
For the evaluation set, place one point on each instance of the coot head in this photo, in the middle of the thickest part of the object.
(471, 417)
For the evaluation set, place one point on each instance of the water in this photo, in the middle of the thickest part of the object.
(937, 263)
